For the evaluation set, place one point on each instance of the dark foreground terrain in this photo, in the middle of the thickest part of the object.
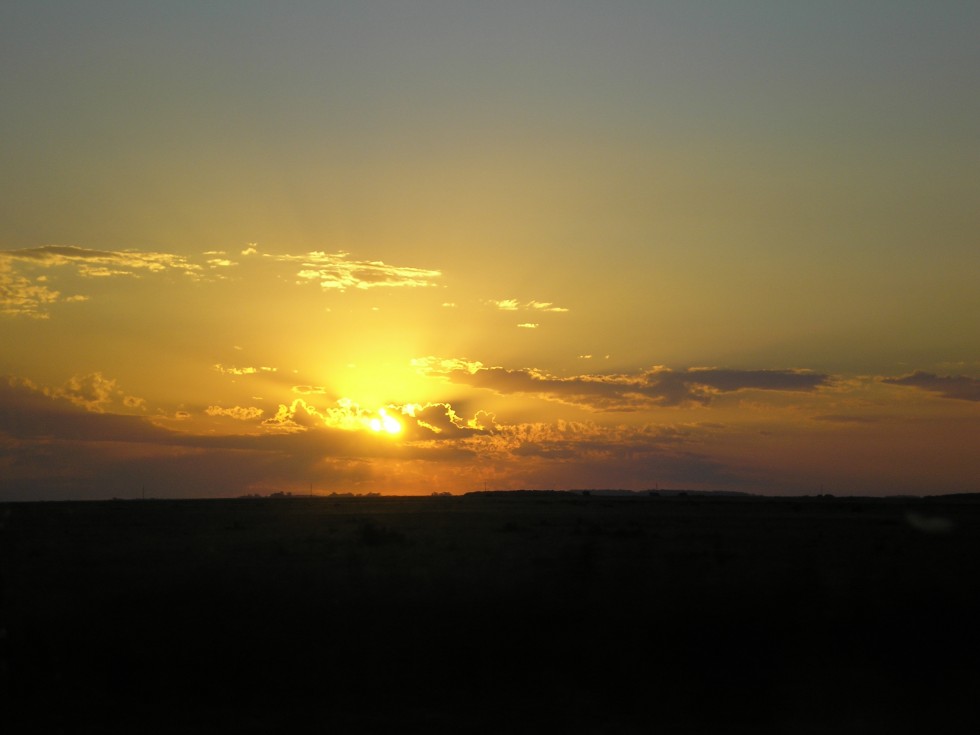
(499, 613)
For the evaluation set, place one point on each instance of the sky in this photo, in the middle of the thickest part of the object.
(416, 247)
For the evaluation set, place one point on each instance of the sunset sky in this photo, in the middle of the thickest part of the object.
(415, 247)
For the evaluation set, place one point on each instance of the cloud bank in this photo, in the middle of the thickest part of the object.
(959, 387)
(657, 387)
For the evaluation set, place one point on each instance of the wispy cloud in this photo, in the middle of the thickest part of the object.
(26, 290)
(24, 294)
(94, 263)
(545, 306)
(960, 387)
(337, 271)
(515, 305)
(309, 390)
(444, 365)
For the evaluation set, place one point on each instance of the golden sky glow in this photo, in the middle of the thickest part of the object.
(422, 247)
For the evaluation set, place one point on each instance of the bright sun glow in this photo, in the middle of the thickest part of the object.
(385, 423)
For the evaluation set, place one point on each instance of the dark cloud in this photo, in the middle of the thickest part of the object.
(656, 387)
(732, 380)
(29, 413)
(959, 387)
(54, 444)
(442, 420)
(838, 418)
(610, 462)
(58, 254)
(567, 454)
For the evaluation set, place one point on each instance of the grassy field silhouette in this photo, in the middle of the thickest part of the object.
(492, 613)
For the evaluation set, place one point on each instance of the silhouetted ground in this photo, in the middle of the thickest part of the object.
(491, 614)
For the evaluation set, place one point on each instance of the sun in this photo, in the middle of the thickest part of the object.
(385, 423)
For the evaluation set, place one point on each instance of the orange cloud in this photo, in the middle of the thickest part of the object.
(959, 387)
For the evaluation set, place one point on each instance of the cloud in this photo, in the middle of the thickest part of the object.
(658, 386)
(91, 392)
(95, 393)
(959, 387)
(545, 306)
(24, 293)
(76, 411)
(77, 441)
(232, 370)
(296, 416)
(21, 295)
(442, 365)
(300, 414)
(515, 305)
(442, 420)
(102, 262)
(337, 272)
(572, 454)
(309, 390)
(238, 413)
(847, 419)
(58, 447)
(52, 446)
(419, 422)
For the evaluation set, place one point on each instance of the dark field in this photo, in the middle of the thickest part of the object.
(491, 614)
